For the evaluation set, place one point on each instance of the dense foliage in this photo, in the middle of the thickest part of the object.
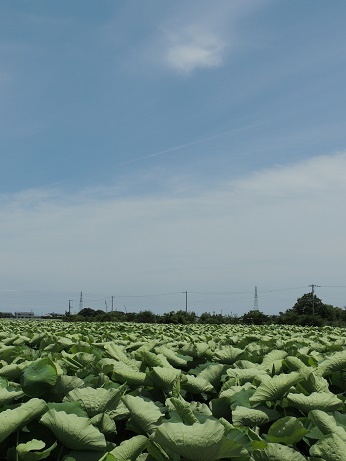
(125, 391)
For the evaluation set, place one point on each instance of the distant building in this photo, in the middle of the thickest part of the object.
(6, 315)
(24, 315)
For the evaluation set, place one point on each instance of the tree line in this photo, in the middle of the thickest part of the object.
(308, 311)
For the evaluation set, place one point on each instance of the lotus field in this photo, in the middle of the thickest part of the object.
(122, 391)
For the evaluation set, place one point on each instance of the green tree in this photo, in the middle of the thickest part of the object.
(255, 317)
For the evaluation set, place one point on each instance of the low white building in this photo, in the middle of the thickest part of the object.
(24, 315)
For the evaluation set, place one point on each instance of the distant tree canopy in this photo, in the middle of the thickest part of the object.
(306, 311)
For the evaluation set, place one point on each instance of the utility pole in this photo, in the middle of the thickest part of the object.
(313, 297)
(112, 303)
(185, 300)
(81, 301)
(255, 303)
(69, 306)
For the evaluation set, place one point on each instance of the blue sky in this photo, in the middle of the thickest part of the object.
(154, 147)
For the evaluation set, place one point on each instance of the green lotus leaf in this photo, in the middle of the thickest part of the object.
(175, 359)
(199, 442)
(329, 424)
(313, 381)
(239, 376)
(184, 412)
(33, 450)
(243, 416)
(13, 370)
(227, 355)
(129, 450)
(7, 397)
(196, 385)
(118, 354)
(294, 363)
(274, 388)
(68, 407)
(74, 431)
(325, 401)
(330, 448)
(64, 384)
(95, 401)
(164, 378)
(288, 430)
(13, 420)
(123, 373)
(334, 363)
(145, 415)
(196, 350)
(39, 377)
(154, 360)
(104, 424)
(277, 452)
(212, 373)
(273, 361)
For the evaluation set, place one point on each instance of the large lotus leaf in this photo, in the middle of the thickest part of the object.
(196, 350)
(144, 414)
(240, 376)
(39, 377)
(288, 430)
(243, 416)
(116, 351)
(104, 424)
(220, 408)
(196, 385)
(330, 448)
(34, 450)
(12, 420)
(277, 452)
(199, 442)
(334, 363)
(325, 401)
(164, 378)
(123, 373)
(175, 359)
(79, 363)
(274, 388)
(273, 361)
(6, 396)
(183, 410)
(212, 373)
(239, 395)
(294, 363)
(96, 401)
(68, 407)
(155, 360)
(129, 450)
(328, 424)
(13, 370)
(64, 384)
(227, 354)
(73, 431)
(312, 382)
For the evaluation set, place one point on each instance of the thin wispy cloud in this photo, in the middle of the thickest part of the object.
(192, 49)
(189, 144)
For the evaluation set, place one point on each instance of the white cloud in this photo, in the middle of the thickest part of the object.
(192, 49)
(282, 227)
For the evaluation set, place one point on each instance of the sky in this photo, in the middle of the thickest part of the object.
(157, 147)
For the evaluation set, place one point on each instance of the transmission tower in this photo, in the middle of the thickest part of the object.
(255, 302)
(81, 301)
